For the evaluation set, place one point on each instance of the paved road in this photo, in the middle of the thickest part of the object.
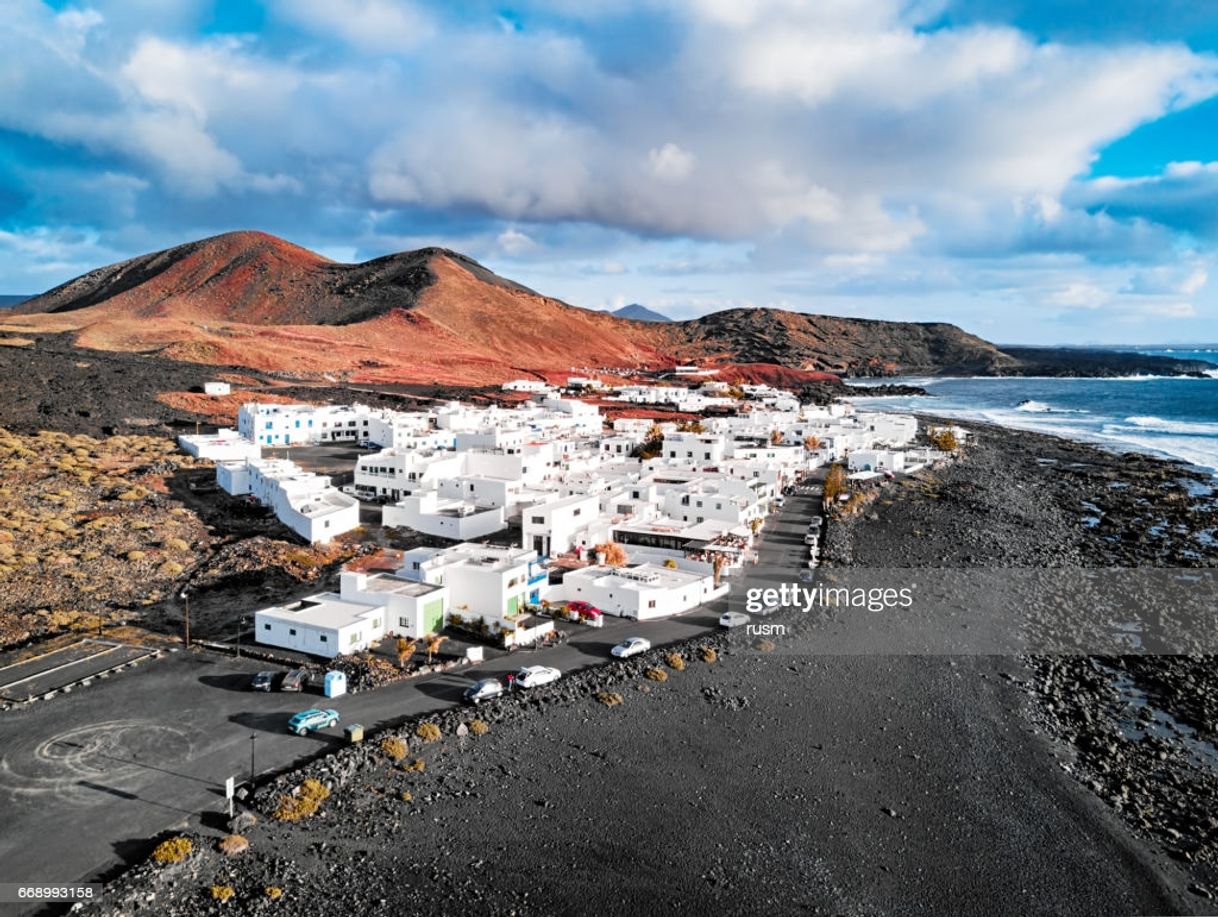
(114, 764)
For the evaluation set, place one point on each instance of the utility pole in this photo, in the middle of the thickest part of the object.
(186, 618)
(253, 743)
(240, 621)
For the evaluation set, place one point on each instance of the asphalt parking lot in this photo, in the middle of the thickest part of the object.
(149, 750)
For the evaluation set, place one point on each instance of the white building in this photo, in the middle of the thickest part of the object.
(553, 527)
(224, 445)
(216, 389)
(305, 502)
(428, 512)
(642, 592)
(527, 385)
(413, 609)
(491, 582)
(294, 424)
(876, 460)
(322, 625)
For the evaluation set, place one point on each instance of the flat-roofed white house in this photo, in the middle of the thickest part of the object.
(551, 528)
(224, 445)
(216, 389)
(294, 424)
(445, 517)
(876, 460)
(306, 503)
(413, 609)
(484, 581)
(324, 624)
(642, 592)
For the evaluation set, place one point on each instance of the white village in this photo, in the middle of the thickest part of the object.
(639, 518)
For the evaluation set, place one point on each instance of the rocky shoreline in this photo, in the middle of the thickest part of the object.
(1138, 730)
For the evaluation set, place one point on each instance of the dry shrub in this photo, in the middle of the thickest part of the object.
(232, 845)
(394, 748)
(675, 661)
(479, 727)
(222, 893)
(656, 675)
(428, 732)
(136, 555)
(764, 646)
(417, 766)
(303, 803)
(407, 796)
(707, 654)
(608, 698)
(174, 850)
(274, 892)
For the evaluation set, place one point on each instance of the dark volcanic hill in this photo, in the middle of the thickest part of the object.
(436, 316)
(842, 345)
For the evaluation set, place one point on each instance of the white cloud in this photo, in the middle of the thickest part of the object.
(671, 163)
(379, 26)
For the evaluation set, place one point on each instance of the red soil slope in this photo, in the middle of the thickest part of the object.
(435, 316)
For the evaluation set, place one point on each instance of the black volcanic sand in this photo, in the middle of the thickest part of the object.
(769, 782)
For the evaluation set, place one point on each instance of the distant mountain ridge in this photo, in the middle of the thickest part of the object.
(7, 301)
(435, 315)
(640, 313)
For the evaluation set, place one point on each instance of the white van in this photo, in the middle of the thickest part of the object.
(733, 619)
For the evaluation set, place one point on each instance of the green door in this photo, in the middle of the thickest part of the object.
(433, 617)
(513, 604)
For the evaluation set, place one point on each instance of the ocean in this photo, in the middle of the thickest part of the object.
(1159, 415)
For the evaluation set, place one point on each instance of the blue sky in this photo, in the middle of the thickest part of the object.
(1033, 171)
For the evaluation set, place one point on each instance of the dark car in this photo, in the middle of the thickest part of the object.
(295, 680)
(263, 681)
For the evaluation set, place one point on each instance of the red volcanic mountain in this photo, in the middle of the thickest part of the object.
(250, 299)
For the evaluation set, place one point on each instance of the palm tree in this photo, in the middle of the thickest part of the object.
(405, 648)
(433, 645)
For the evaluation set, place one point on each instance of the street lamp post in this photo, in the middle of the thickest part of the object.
(240, 621)
(253, 743)
(186, 618)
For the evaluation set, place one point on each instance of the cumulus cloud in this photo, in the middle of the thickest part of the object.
(858, 136)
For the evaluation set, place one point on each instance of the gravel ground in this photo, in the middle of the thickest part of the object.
(770, 781)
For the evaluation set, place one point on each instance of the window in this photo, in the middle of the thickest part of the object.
(578, 510)
(539, 520)
(291, 632)
(266, 627)
(324, 638)
(402, 622)
(651, 604)
(354, 638)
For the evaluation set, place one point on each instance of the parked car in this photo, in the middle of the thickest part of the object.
(486, 689)
(733, 619)
(295, 680)
(779, 501)
(309, 720)
(815, 523)
(631, 646)
(583, 609)
(811, 538)
(534, 676)
(768, 607)
(263, 681)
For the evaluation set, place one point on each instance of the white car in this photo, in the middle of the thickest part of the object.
(534, 676)
(733, 619)
(631, 646)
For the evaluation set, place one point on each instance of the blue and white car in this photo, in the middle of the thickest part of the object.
(309, 720)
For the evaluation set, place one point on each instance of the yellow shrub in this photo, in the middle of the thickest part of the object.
(174, 850)
(479, 727)
(222, 893)
(656, 675)
(308, 797)
(428, 732)
(394, 748)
